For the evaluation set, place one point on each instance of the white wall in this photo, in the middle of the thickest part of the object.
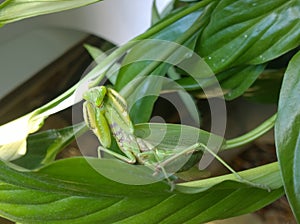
(115, 20)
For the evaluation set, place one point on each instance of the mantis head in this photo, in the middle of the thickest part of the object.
(95, 95)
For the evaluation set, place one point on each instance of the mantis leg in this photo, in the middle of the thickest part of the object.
(186, 151)
(241, 179)
(150, 159)
(200, 146)
(128, 158)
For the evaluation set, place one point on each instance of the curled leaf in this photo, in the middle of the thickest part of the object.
(14, 134)
(14, 10)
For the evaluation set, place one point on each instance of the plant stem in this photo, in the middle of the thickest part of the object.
(252, 135)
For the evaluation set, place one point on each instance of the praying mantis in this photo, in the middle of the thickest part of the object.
(105, 113)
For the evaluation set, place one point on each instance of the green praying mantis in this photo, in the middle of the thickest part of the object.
(105, 113)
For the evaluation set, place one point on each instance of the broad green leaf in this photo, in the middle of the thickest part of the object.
(141, 100)
(266, 175)
(234, 81)
(168, 136)
(239, 82)
(71, 191)
(249, 32)
(14, 10)
(190, 84)
(266, 88)
(287, 134)
(43, 147)
(143, 89)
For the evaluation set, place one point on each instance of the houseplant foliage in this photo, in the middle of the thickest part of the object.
(14, 10)
(238, 40)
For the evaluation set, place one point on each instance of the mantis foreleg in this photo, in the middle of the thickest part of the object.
(128, 158)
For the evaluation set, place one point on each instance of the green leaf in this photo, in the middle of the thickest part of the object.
(98, 55)
(43, 147)
(145, 52)
(71, 191)
(14, 10)
(266, 175)
(234, 81)
(287, 134)
(239, 82)
(142, 98)
(168, 136)
(249, 32)
(266, 88)
(13, 146)
(171, 137)
(156, 15)
(95, 52)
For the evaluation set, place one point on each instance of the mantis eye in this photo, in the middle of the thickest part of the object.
(95, 95)
(100, 94)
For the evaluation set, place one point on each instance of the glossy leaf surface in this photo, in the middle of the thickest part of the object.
(249, 32)
(71, 191)
(239, 82)
(14, 10)
(44, 146)
(287, 133)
